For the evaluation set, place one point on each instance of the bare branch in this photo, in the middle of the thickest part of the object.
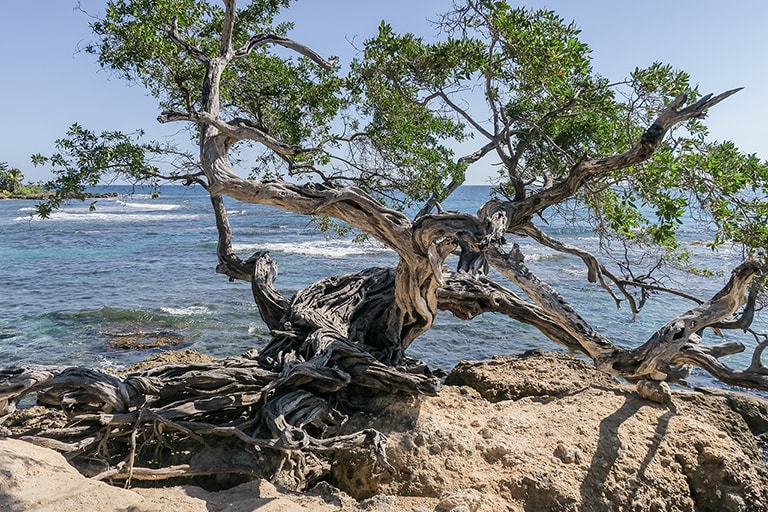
(227, 27)
(678, 339)
(463, 113)
(437, 197)
(259, 40)
(512, 267)
(585, 169)
(351, 205)
(241, 130)
(467, 296)
(193, 51)
(595, 270)
(230, 263)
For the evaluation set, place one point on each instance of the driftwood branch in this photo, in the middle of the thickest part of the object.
(272, 306)
(467, 296)
(279, 405)
(513, 267)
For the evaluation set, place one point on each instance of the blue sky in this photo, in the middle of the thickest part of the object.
(47, 85)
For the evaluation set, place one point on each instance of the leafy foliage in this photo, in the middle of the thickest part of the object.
(132, 42)
(511, 84)
(406, 135)
(84, 159)
(544, 109)
(688, 177)
(11, 178)
(291, 99)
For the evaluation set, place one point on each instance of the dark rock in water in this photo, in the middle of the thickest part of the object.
(138, 339)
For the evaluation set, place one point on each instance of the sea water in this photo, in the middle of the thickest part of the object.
(144, 264)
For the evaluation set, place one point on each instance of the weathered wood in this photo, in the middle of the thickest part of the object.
(676, 342)
(279, 401)
(664, 357)
(512, 266)
(271, 304)
(282, 404)
(467, 296)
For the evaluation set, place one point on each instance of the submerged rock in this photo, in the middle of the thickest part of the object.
(138, 339)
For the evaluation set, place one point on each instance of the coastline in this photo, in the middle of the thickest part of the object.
(48, 195)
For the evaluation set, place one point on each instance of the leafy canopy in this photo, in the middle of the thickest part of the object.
(83, 158)
(292, 99)
(503, 86)
(519, 84)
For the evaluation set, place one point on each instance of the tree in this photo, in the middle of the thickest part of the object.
(357, 149)
(10, 178)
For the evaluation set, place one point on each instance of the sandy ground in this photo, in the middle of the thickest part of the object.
(525, 433)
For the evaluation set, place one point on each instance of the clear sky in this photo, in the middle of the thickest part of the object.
(47, 85)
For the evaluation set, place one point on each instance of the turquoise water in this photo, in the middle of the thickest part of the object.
(138, 263)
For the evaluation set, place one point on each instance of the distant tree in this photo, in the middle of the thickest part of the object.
(10, 178)
(4, 182)
(516, 83)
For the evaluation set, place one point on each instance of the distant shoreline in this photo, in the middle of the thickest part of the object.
(47, 195)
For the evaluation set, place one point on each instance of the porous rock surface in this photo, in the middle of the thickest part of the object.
(549, 432)
(536, 432)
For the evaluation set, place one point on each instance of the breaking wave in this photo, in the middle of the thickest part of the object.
(188, 311)
(320, 248)
(152, 206)
(99, 216)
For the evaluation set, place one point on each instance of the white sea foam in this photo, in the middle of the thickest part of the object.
(543, 256)
(136, 196)
(152, 206)
(113, 364)
(324, 248)
(100, 216)
(575, 271)
(188, 311)
(256, 328)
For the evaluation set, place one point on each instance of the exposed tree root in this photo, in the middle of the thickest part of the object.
(278, 409)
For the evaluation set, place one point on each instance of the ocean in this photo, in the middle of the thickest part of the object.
(71, 284)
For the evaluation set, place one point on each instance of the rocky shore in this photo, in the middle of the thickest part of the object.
(47, 195)
(521, 433)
